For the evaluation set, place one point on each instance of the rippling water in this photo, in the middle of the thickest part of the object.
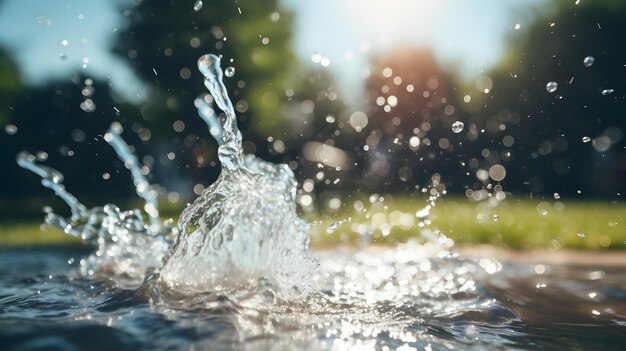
(377, 298)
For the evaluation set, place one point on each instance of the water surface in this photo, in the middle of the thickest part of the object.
(377, 298)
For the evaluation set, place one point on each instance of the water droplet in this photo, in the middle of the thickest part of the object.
(541, 285)
(331, 228)
(551, 87)
(88, 105)
(458, 126)
(198, 5)
(65, 42)
(518, 26)
(607, 91)
(557, 196)
(43, 21)
(581, 235)
(496, 218)
(586, 139)
(540, 269)
(588, 61)
(316, 57)
(41, 156)
(10, 129)
(207, 65)
(229, 71)
(414, 142)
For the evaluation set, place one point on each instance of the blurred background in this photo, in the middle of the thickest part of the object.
(515, 109)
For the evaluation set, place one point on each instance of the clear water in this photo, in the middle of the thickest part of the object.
(239, 275)
(366, 300)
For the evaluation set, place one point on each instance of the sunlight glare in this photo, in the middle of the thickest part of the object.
(393, 21)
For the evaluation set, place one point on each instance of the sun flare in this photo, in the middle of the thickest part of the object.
(396, 20)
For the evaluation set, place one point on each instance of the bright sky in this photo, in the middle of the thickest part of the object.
(36, 31)
(469, 35)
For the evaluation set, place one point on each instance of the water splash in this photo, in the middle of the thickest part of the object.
(53, 180)
(126, 247)
(242, 232)
(458, 126)
(206, 112)
(244, 227)
(143, 188)
(335, 225)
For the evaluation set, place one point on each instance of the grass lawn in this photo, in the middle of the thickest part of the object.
(517, 224)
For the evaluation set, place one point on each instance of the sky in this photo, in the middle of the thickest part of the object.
(35, 31)
(468, 36)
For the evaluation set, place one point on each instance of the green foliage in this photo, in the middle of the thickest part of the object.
(50, 119)
(168, 37)
(10, 86)
(549, 155)
(517, 224)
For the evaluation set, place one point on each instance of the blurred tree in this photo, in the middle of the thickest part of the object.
(10, 87)
(569, 140)
(316, 116)
(64, 122)
(164, 40)
(408, 124)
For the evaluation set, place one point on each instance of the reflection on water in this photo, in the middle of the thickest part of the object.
(409, 297)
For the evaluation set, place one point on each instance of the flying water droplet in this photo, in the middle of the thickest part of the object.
(41, 155)
(88, 105)
(43, 21)
(588, 61)
(551, 87)
(458, 126)
(198, 5)
(557, 196)
(331, 228)
(229, 71)
(10, 129)
(586, 139)
(496, 218)
(607, 91)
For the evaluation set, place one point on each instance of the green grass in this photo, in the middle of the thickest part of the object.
(517, 224)
(31, 233)
(520, 224)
